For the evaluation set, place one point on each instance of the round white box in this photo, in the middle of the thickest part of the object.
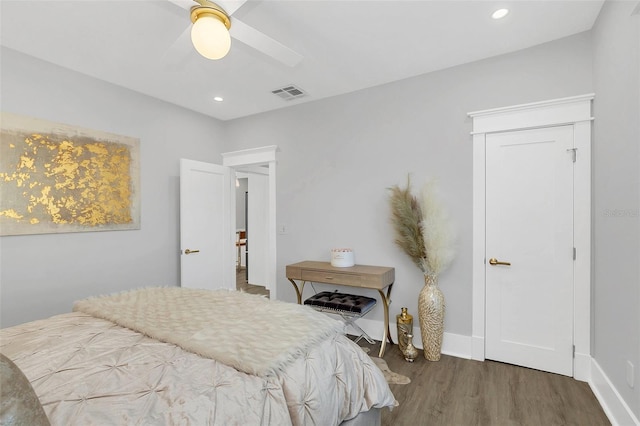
(342, 258)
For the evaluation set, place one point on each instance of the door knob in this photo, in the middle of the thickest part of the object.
(187, 251)
(494, 261)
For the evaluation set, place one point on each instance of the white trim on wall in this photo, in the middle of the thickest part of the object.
(574, 111)
(556, 112)
(613, 405)
(252, 156)
(453, 344)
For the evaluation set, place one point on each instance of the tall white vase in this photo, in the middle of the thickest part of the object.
(431, 315)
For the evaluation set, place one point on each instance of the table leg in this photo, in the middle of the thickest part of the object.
(386, 301)
(298, 290)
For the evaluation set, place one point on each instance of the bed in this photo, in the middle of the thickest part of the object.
(174, 356)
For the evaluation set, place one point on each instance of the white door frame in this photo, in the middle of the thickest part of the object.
(253, 157)
(574, 111)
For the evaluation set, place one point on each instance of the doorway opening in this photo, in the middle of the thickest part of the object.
(256, 263)
(242, 240)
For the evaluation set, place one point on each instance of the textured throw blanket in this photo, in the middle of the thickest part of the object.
(248, 332)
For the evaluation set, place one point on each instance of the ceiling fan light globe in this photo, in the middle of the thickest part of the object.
(210, 37)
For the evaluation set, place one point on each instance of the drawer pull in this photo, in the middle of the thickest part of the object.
(329, 278)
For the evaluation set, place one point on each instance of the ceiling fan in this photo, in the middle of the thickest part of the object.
(221, 12)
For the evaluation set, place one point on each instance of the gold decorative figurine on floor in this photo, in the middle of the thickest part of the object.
(404, 322)
(410, 352)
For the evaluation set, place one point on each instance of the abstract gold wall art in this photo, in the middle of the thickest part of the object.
(57, 178)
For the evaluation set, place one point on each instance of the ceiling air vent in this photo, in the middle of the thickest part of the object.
(289, 93)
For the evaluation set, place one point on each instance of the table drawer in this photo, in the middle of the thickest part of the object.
(331, 277)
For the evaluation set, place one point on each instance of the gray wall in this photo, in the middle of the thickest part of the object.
(616, 148)
(339, 155)
(41, 275)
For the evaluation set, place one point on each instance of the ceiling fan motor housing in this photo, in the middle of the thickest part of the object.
(212, 9)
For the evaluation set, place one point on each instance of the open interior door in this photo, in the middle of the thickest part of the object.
(206, 226)
(258, 226)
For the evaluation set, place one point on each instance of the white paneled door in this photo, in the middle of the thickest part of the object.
(529, 248)
(206, 236)
(258, 227)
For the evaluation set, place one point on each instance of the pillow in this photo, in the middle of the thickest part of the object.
(19, 404)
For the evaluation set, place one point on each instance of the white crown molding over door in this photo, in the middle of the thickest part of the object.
(574, 111)
(262, 156)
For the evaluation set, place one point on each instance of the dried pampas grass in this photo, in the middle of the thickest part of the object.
(422, 227)
(437, 232)
(406, 216)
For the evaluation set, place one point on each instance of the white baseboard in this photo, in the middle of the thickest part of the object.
(456, 345)
(452, 344)
(612, 403)
(582, 367)
(477, 348)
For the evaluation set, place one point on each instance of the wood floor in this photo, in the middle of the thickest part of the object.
(242, 284)
(461, 392)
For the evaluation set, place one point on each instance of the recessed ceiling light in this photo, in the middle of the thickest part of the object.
(218, 99)
(500, 13)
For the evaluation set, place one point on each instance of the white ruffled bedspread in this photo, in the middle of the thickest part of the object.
(90, 371)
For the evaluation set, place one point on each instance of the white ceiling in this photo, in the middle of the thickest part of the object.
(346, 45)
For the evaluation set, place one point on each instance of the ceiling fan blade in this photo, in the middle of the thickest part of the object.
(230, 6)
(179, 52)
(263, 43)
(184, 4)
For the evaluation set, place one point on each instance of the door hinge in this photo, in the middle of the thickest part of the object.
(573, 153)
(574, 351)
(574, 254)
